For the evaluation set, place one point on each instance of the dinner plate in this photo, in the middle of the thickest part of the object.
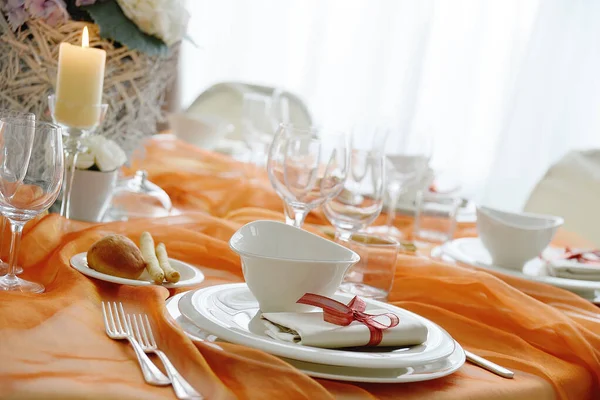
(425, 372)
(190, 276)
(231, 312)
(471, 251)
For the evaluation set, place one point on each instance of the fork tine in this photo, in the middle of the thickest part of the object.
(112, 319)
(150, 334)
(143, 329)
(130, 329)
(106, 324)
(136, 328)
(121, 317)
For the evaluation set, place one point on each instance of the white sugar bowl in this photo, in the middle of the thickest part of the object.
(512, 239)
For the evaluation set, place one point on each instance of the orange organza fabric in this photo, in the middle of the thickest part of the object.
(53, 345)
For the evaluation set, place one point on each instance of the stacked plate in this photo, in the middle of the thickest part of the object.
(472, 252)
(230, 313)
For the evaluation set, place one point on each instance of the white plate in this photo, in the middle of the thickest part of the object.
(375, 375)
(231, 312)
(471, 251)
(190, 276)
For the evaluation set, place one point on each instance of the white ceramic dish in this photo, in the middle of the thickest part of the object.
(471, 251)
(425, 372)
(190, 276)
(512, 239)
(231, 313)
(204, 131)
(281, 263)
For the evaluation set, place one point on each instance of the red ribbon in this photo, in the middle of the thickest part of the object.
(580, 256)
(338, 313)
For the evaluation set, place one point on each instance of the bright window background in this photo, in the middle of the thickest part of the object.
(507, 87)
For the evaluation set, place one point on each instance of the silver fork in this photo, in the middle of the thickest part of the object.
(115, 329)
(143, 334)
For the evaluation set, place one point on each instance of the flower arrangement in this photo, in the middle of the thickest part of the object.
(150, 26)
(102, 154)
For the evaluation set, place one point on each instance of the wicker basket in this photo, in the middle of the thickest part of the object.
(134, 87)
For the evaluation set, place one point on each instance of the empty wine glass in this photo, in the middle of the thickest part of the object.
(258, 125)
(31, 174)
(306, 169)
(361, 200)
(30, 117)
(407, 167)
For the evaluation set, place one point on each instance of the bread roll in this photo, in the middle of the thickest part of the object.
(116, 255)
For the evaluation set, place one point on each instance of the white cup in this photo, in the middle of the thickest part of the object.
(281, 263)
(91, 194)
(512, 239)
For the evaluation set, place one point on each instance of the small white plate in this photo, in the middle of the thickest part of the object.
(190, 276)
(374, 375)
(231, 312)
(471, 251)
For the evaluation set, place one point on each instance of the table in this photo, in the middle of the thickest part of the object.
(53, 345)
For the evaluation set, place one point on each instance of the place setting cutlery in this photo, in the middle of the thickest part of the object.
(137, 330)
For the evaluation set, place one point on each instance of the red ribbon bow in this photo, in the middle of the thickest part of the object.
(338, 313)
(581, 256)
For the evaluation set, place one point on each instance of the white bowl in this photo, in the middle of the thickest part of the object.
(200, 130)
(281, 263)
(512, 239)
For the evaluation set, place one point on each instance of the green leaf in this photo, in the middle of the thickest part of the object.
(116, 26)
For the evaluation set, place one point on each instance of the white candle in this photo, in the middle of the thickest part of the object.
(79, 84)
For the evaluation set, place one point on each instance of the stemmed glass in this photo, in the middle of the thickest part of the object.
(258, 125)
(82, 121)
(307, 170)
(29, 117)
(361, 200)
(31, 174)
(407, 167)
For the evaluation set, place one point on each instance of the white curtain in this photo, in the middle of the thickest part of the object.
(506, 86)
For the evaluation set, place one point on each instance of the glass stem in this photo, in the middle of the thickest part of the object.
(72, 148)
(294, 216)
(16, 228)
(2, 235)
(391, 213)
(342, 235)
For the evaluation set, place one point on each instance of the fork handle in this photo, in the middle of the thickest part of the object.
(183, 390)
(152, 375)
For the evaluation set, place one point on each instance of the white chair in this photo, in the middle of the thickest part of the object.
(571, 189)
(223, 101)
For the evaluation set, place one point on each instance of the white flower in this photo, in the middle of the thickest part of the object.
(106, 154)
(165, 19)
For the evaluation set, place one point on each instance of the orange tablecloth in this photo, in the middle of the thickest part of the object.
(53, 345)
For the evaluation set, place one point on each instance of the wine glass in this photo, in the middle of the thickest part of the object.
(31, 174)
(407, 167)
(258, 125)
(361, 200)
(306, 169)
(30, 117)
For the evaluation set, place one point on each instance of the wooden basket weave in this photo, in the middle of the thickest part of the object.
(134, 87)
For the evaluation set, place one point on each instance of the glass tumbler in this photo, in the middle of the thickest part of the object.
(373, 276)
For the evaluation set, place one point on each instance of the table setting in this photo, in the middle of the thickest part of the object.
(189, 274)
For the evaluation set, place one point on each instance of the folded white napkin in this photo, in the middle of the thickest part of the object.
(309, 329)
(572, 269)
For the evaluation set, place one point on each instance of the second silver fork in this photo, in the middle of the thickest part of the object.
(143, 334)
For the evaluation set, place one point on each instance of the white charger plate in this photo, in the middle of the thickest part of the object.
(231, 312)
(190, 276)
(425, 372)
(471, 251)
